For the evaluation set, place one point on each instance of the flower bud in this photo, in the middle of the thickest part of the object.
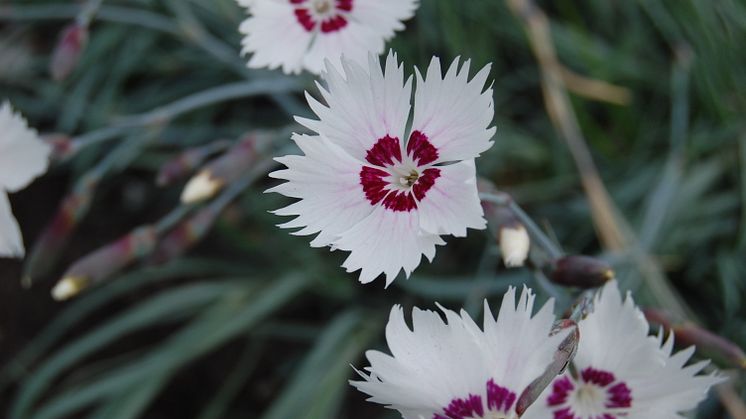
(562, 358)
(514, 244)
(580, 271)
(105, 262)
(66, 56)
(185, 235)
(187, 162)
(220, 171)
(62, 146)
(68, 287)
(510, 233)
(50, 245)
(201, 187)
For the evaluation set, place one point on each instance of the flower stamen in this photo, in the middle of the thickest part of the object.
(322, 6)
(410, 179)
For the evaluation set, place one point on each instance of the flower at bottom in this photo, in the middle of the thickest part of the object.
(453, 369)
(622, 371)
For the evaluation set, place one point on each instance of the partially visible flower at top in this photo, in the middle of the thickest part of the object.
(454, 369)
(368, 187)
(23, 156)
(301, 34)
(622, 371)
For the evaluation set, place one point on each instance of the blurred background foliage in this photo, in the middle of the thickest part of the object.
(252, 322)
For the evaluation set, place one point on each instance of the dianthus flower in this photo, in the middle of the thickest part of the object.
(620, 371)
(298, 34)
(370, 185)
(454, 369)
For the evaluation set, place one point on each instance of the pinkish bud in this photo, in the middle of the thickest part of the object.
(104, 262)
(185, 235)
(62, 146)
(50, 245)
(580, 271)
(187, 162)
(66, 55)
(221, 171)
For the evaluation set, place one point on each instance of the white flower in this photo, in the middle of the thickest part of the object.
(23, 156)
(369, 187)
(454, 369)
(622, 371)
(298, 34)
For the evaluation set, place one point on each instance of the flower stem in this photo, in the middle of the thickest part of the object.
(89, 11)
(537, 234)
(163, 114)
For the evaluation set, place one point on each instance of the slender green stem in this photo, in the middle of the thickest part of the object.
(190, 103)
(191, 27)
(172, 218)
(234, 380)
(212, 96)
(237, 187)
(536, 233)
(187, 27)
(90, 8)
(538, 237)
(115, 14)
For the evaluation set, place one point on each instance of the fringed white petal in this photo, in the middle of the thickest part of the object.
(386, 16)
(386, 242)
(23, 155)
(362, 105)
(273, 36)
(354, 43)
(11, 242)
(674, 388)
(520, 339)
(453, 112)
(326, 180)
(452, 205)
(615, 337)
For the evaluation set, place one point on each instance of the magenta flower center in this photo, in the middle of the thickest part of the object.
(398, 179)
(596, 394)
(499, 405)
(325, 16)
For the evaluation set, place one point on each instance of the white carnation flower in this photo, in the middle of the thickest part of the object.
(454, 369)
(298, 34)
(368, 185)
(23, 157)
(622, 371)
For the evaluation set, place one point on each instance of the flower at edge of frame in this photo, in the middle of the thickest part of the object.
(23, 157)
(454, 369)
(621, 371)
